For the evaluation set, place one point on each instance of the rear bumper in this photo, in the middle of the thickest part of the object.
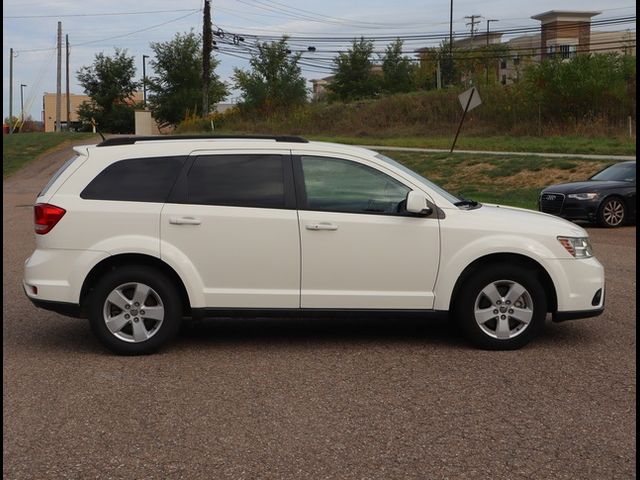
(58, 274)
(63, 308)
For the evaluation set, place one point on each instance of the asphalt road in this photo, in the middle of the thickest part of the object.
(315, 399)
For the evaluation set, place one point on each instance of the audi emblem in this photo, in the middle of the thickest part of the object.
(549, 197)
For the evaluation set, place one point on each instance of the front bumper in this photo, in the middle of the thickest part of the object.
(564, 316)
(580, 287)
(572, 209)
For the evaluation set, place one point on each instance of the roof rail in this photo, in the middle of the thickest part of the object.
(130, 140)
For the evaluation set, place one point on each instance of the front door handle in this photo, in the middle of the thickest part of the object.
(321, 226)
(184, 221)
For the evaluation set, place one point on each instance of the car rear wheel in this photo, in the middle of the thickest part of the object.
(134, 310)
(501, 307)
(612, 213)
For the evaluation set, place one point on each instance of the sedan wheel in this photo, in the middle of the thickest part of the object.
(612, 213)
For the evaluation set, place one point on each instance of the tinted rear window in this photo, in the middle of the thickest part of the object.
(237, 180)
(136, 180)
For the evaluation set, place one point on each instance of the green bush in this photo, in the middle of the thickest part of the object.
(587, 96)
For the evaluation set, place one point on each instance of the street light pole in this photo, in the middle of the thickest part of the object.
(488, 22)
(144, 80)
(22, 85)
(487, 70)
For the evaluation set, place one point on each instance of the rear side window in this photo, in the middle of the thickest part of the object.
(237, 180)
(56, 175)
(135, 180)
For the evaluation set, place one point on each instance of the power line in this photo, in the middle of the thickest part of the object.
(149, 12)
(116, 36)
(245, 50)
(430, 36)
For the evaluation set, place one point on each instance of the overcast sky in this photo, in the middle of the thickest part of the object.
(34, 38)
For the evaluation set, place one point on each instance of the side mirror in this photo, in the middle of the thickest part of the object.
(417, 204)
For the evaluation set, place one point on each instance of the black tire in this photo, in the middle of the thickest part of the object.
(612, 213)
(531, 304)
(163, 297)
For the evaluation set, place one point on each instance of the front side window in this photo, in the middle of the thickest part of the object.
(237, 181)
(338, 185)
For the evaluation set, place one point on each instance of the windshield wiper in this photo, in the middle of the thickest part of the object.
(465, 202)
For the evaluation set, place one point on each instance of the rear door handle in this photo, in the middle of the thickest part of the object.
(321, 226)
(184, 221)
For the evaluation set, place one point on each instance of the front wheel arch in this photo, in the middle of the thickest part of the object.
(509, 258)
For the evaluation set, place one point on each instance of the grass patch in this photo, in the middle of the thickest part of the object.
(506, 143)
(20, 148)
(501, 179)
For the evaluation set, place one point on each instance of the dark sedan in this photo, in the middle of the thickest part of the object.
(608, 198)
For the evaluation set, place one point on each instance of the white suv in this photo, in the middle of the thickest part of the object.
(137, 233)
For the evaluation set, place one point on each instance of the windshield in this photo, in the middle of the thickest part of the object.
(441, 191)
(621, 172)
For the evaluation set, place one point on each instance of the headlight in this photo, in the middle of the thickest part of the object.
(578, 247)
(583, 196)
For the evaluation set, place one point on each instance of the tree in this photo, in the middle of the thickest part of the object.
(581, 87)
(353, 77)
(110, 85)
(397, 70)
(275, 82)
(176, 89)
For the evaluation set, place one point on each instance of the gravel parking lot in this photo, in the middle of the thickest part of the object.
(247, 399)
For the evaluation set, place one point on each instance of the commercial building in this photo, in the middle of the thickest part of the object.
(75, 100)
(562, 33)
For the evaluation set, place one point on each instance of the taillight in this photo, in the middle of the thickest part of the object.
(46, 217)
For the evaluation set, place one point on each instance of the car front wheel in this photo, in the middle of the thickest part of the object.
(501, 307)
(134, 310)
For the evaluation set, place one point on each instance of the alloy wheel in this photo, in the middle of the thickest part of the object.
(503, 309)
(133, 312)
(613, 213)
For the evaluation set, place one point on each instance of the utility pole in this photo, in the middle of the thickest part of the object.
(487, 66)
(473, 22)
(59, 80)
(207, 39)
(449, 76)
(68, 96)
(11, 90)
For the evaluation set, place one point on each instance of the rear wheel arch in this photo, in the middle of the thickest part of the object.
(509, 259)
(130, 259)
